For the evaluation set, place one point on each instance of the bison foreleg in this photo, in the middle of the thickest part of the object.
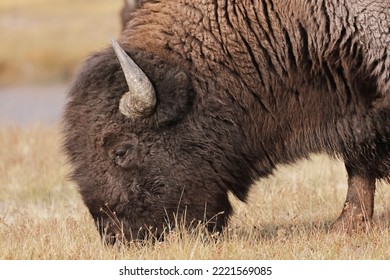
(359, 204)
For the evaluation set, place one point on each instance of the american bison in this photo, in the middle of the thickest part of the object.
(200, 98)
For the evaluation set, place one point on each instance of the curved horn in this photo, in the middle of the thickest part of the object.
(140, 100)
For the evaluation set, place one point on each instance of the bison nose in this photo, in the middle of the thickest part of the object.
(110, 233)
(110, 239)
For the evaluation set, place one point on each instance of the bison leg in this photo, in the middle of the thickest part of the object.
(359, 205)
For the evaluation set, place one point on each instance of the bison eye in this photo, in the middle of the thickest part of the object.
(122, 155)
(121, 152)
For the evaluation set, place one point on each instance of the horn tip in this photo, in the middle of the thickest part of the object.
(113, 41)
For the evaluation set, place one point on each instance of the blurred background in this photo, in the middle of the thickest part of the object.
(43, 42)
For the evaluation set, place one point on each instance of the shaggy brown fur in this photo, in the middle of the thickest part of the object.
(242, 86)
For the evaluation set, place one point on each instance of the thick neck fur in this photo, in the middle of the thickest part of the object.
(278, 77)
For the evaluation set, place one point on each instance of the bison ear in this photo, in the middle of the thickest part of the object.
(175, 97)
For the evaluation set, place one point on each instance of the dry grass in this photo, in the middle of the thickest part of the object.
(45, 40)
(287, 216)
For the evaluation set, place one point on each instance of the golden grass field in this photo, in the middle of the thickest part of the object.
(43, 217)
(287, 216)
(45, 40)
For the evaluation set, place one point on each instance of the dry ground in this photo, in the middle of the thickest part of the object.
(287, 216)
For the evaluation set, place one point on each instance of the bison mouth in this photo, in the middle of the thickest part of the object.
(116, 231)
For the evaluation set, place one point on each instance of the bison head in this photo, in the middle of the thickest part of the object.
(146, 150)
